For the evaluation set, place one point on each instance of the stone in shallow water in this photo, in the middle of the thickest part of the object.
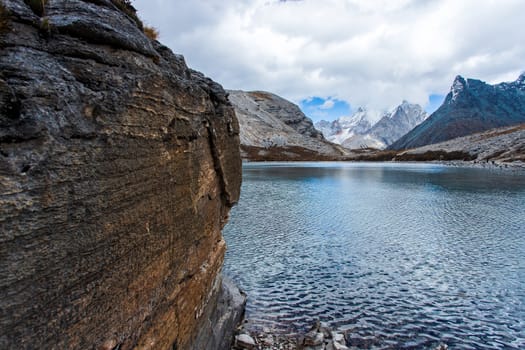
(339, 346)
(244, 341)
(313, 338)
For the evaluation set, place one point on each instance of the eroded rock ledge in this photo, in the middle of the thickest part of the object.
(118, 167)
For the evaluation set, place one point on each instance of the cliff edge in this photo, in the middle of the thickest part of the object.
(118, 168)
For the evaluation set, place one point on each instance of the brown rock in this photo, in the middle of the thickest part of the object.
(118, 167)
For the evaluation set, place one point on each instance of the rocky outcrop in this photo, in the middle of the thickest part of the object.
(362, 130)
(471, 106)
(118, 167)
(272, 128)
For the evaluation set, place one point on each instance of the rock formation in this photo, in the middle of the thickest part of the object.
(366, 129)
(272, 128)
(118, 167)
(471, 106)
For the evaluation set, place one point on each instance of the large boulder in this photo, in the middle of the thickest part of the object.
(118, 168)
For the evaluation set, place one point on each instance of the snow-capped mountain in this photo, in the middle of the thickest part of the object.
(471, 106)
(370, 129)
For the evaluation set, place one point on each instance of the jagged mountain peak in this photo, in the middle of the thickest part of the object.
(368, 128)
(471, 106)
(520, 82)
(458, 86)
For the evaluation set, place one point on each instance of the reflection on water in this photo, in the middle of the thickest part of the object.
(402, 255)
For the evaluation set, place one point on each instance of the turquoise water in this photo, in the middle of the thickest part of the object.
(400, 255)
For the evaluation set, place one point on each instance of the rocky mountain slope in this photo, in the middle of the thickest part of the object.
(504, 146)
(471, 106)
(272, 128)
(118, 167)
(359, 130)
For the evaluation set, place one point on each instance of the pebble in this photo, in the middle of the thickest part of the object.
(319, 337)
(244, 341)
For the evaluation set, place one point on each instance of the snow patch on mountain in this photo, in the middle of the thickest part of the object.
(372, 129)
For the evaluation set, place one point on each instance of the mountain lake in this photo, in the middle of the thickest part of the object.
(396, 255)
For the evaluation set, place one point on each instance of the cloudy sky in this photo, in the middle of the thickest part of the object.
(332, 56)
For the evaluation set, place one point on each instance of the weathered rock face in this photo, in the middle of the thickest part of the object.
(272, 128)
(118, 167)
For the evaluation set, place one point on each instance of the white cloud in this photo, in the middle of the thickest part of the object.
(328, 104)
(369, 53)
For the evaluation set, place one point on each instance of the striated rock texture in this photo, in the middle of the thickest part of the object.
(272, 128)
(471, 106)
(118, 167)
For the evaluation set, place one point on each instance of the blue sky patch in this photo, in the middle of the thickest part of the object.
(434, 101)
(318, 108)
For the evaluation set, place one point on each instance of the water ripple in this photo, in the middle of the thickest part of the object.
(401, 256)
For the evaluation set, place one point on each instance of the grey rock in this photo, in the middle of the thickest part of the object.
(98, 24)
(244, 341)
(313, 338)
(222, 315)
(338, 337)
(339, 346)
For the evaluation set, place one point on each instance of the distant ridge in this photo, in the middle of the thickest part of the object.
(471, 106)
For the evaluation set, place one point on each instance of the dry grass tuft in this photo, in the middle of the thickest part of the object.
(151, 32)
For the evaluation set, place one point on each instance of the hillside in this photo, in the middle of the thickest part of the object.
(505, 146)
(272, 128)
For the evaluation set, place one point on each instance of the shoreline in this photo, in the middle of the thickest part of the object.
(516, 166)
(320, 336)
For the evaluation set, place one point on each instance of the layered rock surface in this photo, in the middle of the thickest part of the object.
(272, 128)
(471, 106)
(118, 167)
